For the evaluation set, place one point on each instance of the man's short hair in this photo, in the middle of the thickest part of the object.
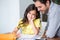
(43, 1)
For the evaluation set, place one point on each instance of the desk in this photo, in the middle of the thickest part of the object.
(7, 37)
(51, 39)
(57, 38)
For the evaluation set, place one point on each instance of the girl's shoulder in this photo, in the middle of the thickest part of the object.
(37, 19)
(37, 22)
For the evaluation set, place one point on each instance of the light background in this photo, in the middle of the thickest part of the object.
(10, 12)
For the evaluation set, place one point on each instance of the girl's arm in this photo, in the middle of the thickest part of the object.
(35, 29)
(15, 32)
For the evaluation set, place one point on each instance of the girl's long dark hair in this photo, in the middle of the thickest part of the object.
(28, 9)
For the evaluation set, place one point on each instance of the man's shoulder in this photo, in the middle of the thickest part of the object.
(55, 8)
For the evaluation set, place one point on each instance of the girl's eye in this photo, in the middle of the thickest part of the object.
(29, 13)
(34, 14)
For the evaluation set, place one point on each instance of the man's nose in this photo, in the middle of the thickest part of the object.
(38, 9)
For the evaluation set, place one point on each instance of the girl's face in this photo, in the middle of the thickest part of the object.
(31, 15)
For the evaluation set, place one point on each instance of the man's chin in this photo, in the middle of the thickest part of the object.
(43, 12)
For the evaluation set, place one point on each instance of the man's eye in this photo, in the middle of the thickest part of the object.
(39, 7)
(33, 14)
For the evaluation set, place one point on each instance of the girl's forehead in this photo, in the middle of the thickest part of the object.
(33, 12)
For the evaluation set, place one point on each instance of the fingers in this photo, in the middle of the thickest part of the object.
(18, 35)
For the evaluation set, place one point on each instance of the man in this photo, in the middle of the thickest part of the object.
(53, 12)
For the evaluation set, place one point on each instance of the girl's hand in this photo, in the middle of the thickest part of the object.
(18, 35)
(31, 19)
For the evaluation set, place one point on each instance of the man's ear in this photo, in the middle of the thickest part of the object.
(47, 4)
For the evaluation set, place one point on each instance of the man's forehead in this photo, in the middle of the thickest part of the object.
(38, 4)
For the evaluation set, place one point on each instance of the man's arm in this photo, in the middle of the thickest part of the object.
(53, 25)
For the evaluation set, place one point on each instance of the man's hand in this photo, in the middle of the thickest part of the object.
(44, 36)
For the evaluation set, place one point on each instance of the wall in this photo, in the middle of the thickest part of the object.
(10, 12)
(9, 15)
(23, 5)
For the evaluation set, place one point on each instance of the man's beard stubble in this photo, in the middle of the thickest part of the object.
(45, 12)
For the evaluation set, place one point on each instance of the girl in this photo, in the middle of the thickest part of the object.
(30, 23)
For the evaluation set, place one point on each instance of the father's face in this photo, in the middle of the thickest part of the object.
(41, 7)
